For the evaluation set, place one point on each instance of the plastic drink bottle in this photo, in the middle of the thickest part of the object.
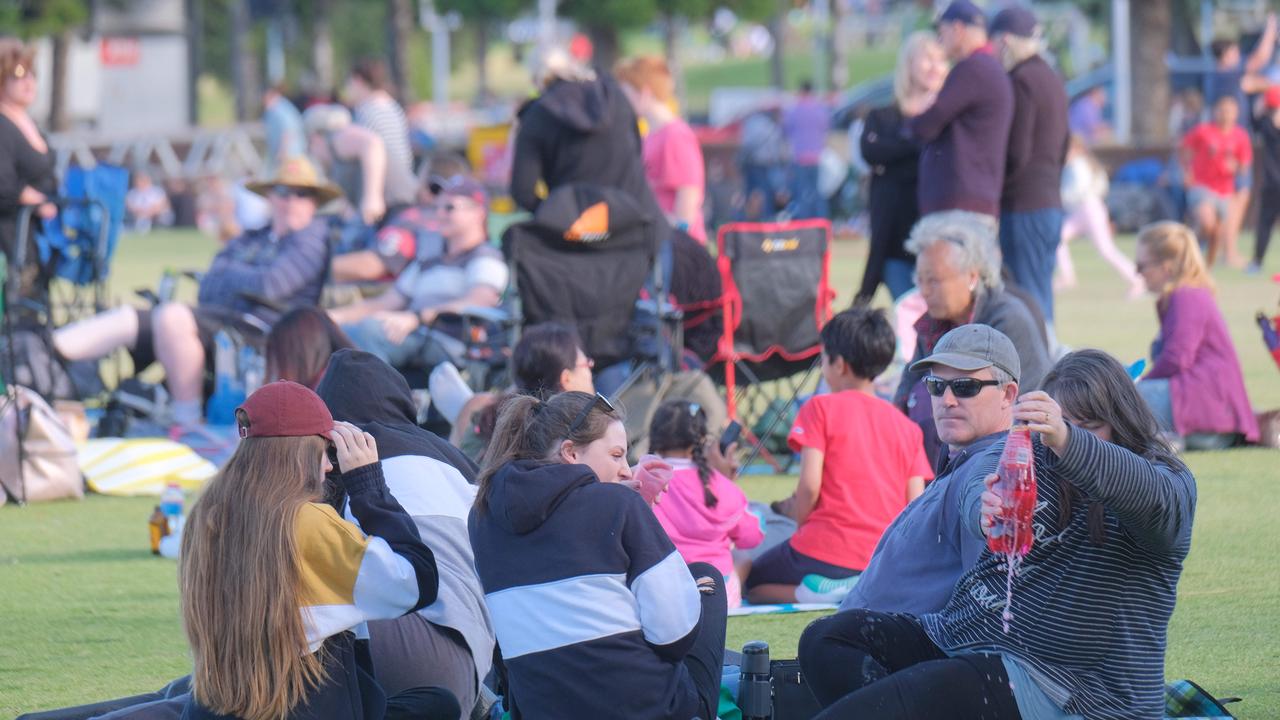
(171, 501)
(228, 392)
(1011, 532)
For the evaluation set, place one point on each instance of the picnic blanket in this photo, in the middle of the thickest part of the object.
(780, 609)
(141, 466)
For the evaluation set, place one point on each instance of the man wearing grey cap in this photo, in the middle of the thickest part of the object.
(973, 383)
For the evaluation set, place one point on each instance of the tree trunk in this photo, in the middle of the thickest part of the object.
(838, 45)
(1150, 25)
(322, 44)
(671, 25)
(778, 29)
(607, 45)
(244, 66)
(399, 28)
(59, 119)
(195, 58)
(482, 60)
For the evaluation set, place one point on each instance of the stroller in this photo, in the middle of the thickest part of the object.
(588, 259)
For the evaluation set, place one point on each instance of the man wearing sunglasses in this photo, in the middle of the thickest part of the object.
(400, 325)
(249, 280)
(972, 382)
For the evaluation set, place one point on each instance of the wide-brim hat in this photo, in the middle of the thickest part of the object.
(298, 172)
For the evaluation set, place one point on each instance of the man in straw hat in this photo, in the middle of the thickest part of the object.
(282, 265)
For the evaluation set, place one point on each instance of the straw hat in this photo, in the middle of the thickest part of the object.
(298, 172)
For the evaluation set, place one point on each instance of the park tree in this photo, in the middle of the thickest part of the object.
(482, 16)
(54, 19)
(1151, 26)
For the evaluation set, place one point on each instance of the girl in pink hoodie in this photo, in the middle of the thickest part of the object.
(704, 513)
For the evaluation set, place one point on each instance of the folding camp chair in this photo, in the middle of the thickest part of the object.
(75, 249)
(776, 299)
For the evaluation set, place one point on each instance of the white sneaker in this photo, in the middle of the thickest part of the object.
(449, 392)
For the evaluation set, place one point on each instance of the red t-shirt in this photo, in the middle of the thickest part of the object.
(870, 450)
(1212, 150)
(672, 160)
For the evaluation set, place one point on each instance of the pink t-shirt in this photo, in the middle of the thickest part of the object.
(870, 450)
(672, 160)
(701, 533)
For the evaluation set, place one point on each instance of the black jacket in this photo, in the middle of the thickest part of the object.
(580, 132)
(894, 158)
(1038, 138)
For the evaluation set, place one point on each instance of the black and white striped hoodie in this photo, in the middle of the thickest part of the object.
(1090, 621)
(593, 607)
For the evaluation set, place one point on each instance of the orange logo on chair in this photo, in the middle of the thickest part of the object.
(591, 226)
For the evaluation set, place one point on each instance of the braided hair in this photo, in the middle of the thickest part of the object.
(680, 426)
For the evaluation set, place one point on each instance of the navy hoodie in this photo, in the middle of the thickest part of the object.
(593, 607)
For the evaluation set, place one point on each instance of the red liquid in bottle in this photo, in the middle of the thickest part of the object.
(1011, 532)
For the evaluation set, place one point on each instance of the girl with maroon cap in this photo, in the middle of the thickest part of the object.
(277, 587)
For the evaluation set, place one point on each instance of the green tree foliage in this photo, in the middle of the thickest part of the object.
(41, 18)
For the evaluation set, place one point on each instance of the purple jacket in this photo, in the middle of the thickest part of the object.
(1195, 352)
(966, 136)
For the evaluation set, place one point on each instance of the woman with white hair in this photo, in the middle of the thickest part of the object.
(580, 129)
(958, 273)
(894, 158)
(353, 157)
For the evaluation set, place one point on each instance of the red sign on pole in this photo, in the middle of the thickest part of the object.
(119, 51)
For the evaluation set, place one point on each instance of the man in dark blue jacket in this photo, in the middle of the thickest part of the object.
(966, 130)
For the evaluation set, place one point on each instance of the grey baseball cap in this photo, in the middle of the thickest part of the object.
(974, 347)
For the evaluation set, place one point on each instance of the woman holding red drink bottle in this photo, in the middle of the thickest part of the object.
(1091, 599)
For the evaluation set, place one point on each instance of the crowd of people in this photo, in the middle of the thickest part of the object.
(577, 558)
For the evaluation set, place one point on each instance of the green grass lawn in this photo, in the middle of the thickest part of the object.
(90, 614)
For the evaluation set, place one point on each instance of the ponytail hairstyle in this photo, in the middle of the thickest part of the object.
(681, 426)
(532, 429)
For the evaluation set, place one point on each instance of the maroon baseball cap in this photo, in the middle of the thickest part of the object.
(284, 409)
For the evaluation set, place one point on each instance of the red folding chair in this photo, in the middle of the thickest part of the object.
(775, 301)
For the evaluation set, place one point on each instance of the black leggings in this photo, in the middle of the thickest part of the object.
(706, 657)
(861, 663)
(1268, 213)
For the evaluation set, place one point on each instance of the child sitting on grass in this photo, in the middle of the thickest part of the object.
(861, 462)
(704, 513)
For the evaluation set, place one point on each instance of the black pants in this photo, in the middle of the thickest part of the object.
(706, 657)
(861, 663)
(1268, 213)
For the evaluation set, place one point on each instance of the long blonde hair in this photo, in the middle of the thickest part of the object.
(1175, 245)
(241, 582)
(916, 43)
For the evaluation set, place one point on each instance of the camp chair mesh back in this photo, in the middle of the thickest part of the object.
(776, 299)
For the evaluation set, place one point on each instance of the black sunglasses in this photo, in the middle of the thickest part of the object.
(285, 191)
(963, 387)
(599, 401)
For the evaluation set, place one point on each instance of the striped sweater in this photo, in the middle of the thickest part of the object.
(1090, 622)
(593, 607)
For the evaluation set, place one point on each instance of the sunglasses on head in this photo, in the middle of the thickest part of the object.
(286, 191)
(962, 387)
(599, 401)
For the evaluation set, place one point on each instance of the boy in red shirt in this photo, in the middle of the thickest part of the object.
(1214, 155)
(861, 462)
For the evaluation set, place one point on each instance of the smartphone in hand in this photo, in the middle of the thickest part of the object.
(730, 436)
